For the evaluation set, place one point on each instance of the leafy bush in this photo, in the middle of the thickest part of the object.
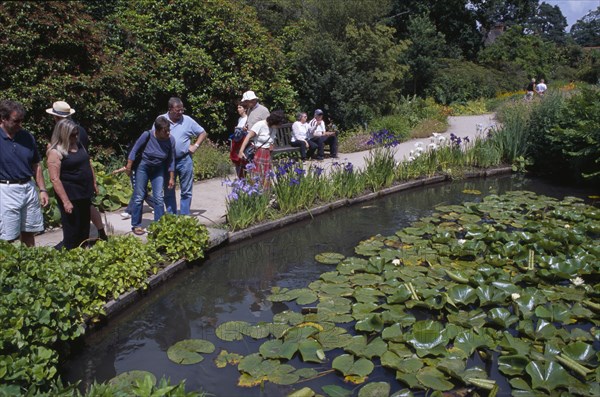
(49, 294)
(211, 161)
(462, 81)
(178, 237)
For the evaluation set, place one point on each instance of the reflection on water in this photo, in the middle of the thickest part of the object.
(233, 282)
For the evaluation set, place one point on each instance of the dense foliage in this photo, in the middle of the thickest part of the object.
(48, 296)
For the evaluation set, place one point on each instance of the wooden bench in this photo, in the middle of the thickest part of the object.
(283, 140)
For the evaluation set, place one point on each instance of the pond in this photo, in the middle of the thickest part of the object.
(233, 282)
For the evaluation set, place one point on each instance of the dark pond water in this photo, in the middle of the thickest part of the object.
(233, 282)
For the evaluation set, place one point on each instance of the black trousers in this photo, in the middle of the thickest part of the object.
(312, 146)
(76, 225)
(321, 141)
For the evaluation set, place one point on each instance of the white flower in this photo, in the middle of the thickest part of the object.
(396, 262)
(515, 296)
(420, 150)
(567, 226)
(435, 134)
(441, 139)
(411, 158)
(461, 241)
(577, 281)
(432, 146)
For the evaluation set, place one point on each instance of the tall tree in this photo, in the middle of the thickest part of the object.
(455, 19)
(427, 46)
(549, 23)
(506, 12)
(586, 31)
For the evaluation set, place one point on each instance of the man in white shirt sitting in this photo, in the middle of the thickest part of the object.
(300, 136)
(318, 133)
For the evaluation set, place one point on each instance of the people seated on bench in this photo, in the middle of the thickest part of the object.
(318, 133)
(300, 136)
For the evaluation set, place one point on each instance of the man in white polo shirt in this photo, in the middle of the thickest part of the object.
(319, 134)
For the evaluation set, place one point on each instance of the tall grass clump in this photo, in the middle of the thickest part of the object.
(211, 161)
(247, 203)
(295, 188)
(380, 163)
(512, 137)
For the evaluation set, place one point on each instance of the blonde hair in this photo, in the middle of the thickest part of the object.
(60, 136)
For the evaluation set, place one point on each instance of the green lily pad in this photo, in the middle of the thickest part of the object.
(375, 389)
(277, 348)
(512, 365)
(468, 341)
(311, 351)
(427, 335)
(371, 322)
(232, 330)
(346, 364)
(329, 258)
(188, 351)
(225, 358)
(554, 313)
(434, 379)
(359, 347)
(547, 375)
(336, 391)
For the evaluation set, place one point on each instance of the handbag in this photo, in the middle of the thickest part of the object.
(250, 151)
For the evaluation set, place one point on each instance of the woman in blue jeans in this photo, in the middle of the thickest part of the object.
(158, 161)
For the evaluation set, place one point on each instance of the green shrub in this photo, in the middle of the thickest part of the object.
(212, 161)
(397, 123)
(462, 81)
(178, 237)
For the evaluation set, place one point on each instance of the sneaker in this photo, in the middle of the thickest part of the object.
(125, 215)
(138, 231)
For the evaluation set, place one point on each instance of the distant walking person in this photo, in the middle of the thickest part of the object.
(541, 88)
(188, 135)
(530, 89)
(73, 181)
(20, 212)
(61, 110)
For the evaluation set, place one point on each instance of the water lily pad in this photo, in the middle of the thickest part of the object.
(369, 323)
(346, 364)
(311, 351)
(359, 347)
(502, 317)
(468, 341)
(127, 380)
(375, 389)
(188, 351)
(554, 312)
(336, 391)
(232, 330)
(225, 358)
(434, 379)
(329, 258)
(277, 348)
(512, 365)
(547, 375)
(427, 335)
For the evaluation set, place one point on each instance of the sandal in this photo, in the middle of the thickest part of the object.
(139, 231)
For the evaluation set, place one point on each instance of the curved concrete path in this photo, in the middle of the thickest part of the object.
(209, 196)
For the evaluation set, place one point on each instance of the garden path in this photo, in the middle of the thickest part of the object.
(209, 197)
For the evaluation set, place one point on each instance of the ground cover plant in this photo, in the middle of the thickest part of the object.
(492, 297)
(48, 295)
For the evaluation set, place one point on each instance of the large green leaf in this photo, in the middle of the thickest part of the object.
(232, 330)
(311, 351)
(188, 351)
(468, 341)
(346, 364)
(359, 346)
(375, 389)
(427, 335)
(547, 375)
(329, 258)
(512, 365)
(434, 379)
(277, 348)
(126, 381)
(554, 312)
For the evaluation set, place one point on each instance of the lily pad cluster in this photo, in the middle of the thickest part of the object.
(508, 285)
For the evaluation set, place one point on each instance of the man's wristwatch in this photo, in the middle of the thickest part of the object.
(197, 145)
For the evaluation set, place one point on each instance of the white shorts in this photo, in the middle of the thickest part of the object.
(20, 210)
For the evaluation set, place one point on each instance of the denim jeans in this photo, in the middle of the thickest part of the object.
(156, 176)
(147, 198)
(184, 171)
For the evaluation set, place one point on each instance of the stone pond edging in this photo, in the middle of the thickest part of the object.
(116, 306)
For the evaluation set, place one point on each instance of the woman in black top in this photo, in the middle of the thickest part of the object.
(73, 180)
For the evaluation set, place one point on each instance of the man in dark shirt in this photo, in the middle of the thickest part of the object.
(59, 111)
(20, 212)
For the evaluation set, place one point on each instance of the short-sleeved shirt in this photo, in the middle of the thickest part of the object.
(17, 155)
(316, 130)
(256, 114)
(183, 131)
(265, 136)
